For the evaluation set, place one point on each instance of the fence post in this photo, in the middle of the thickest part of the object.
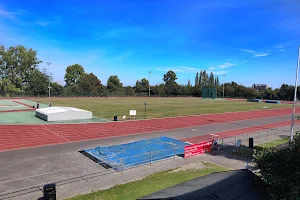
(122, 163)
(150, 158)
(87, 173)
(222, 144)
(276, 131)
(267, 132)
(174, 153)
(234, 140)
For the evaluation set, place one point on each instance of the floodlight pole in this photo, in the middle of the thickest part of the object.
(295, 96)
(223, 84)
(49, 87)
(149, 82)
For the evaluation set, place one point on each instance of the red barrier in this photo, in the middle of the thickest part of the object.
(196, 149)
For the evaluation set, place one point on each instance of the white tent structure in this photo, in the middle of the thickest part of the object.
(62, 113)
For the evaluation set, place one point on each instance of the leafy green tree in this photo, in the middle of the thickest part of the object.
(17, 65)
(142, 87)
(8, 89)
(197, 79)
(129, 91)
(114, 86)
(90, 84)
(38, 86)
(205, 79)
(211, 80)
(279, 169)
(170, 83)
(56, 89)
(73, 74)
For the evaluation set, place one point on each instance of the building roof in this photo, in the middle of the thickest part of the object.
(237, 184)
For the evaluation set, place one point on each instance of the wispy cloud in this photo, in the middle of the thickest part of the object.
(182, 69)
(42, 23)
(247, 50)
(189, 68)
(220, 72)
(212, 68)
(123, 56)
(261, 55)
(7, 14)
(226, 65)
(167, 69)
(255, 53)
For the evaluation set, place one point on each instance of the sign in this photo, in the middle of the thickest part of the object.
(132, 112)
(196, 149)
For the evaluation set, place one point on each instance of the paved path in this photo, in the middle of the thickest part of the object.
(25, 136)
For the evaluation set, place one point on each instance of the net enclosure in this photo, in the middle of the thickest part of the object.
(209, 92)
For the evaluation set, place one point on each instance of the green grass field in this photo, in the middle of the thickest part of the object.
(150, 184)
(157, 107)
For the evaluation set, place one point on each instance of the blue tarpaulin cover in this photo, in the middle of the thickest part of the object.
(128, 155)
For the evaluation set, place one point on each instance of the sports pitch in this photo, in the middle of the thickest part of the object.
(157, 107)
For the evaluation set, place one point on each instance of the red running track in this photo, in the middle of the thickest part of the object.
(25, 136)
(232, 133)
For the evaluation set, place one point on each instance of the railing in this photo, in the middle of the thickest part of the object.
(87, 172)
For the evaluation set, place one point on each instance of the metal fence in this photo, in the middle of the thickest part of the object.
(87, 172)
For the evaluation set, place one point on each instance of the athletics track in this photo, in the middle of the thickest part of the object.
(25, 136)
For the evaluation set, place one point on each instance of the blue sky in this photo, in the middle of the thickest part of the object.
(249, 41)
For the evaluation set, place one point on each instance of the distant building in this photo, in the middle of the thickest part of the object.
(260, 86)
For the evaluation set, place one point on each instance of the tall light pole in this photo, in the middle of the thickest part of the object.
(295, 96)
(149, 82)
(49, 87)
(223, 84)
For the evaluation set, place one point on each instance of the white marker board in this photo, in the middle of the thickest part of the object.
(132, 112)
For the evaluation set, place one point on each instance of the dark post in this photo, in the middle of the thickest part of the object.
(251, 143)
(145, 104)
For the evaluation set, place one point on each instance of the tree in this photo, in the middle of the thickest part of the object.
(8, 89)
(197, 79)
(56, 89)
(38, 85)
(17, 65)
(142, 87)
(211, 80)
(279, 169)
(114, 86)
(90, 84)
(129, 91)
(205, 78)
(73, 74)
(170, 83)
(201, 79)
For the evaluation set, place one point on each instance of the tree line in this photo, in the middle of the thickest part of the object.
(20, 75)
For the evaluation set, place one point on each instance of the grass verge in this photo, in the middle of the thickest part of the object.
(247, 152)
(150, 184)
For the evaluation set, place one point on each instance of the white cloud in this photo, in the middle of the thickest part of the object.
(261, 55)
(220, 72)
(255, 53)
(189, 68)
(282, 50)
(167, 69)
(123, 56)
(42, 23)
(212, 68)
(226, 65)
(182, 69)
(247, 50)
